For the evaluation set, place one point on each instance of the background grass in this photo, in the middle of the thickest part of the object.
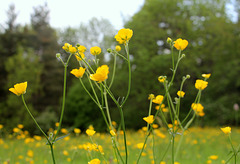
(198, 145)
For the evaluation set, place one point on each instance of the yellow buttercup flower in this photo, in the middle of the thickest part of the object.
(181, 94)
(226, 130)
(151, 96)
(198, 108)
(20, 126)
(95, 50)
(66, 47)
(90, 132)
(19, 88)
(206, 75)
(161, 79)
(112, 133)
(124, 35)
(78, 72)
(158, 99)
(64, 131)
(30, 153)
(101, 74)
(82, 49)
(1, 126)
(149, 119)
(65, 152)
(180, 44)
(201, 84)
(76, 130)
(72, 49)
(94, 161)
(213, 157)
(79, 56)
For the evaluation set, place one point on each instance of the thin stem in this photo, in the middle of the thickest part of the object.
(63, 101)
(173, 141)
(129, 75)
(233, 149)
(114, 70)
(49, 142)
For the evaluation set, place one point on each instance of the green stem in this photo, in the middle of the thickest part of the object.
(49, 142)
(63, 101)
(129, 75)
(114, 70)
(173, 141)
(233, 149)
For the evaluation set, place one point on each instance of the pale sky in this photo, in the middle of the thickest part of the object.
(64, 13)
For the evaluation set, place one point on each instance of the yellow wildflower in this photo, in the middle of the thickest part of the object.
(94, 161)
(181, 94)
(95, 50)
(162, 162)
(226, 130)
(19, 88)
(101, 74)
(81, 49)
(155, 126)
(200, 84)
(79, 56)
(38, 138)
(65, 152)
(198, 108)
(112, 133)
(161, 79)
(118, 48)
(77, 131)
(78, 72)
(206, 75)
(124, 35)
(30, 153)
(72, 49)
(69, 159)
(180, 44)
(66, 47)
(140, 145)
(20, 126)
(64, 131)
(158, 99)
(213, 157)
(57, 124)
(16, 130)
(90, 132)
(149, 119)
(1, 126)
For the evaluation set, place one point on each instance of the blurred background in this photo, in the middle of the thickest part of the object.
(32, 33)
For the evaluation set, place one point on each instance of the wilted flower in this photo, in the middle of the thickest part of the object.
(149, 119)
(78, 72)
(201, 84)
(226, 130)
(101, 74)
(124, 35)
(19, 88)
(180, 44)
(95, 50)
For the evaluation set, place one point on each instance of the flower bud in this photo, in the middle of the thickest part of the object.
(169, 40)
(58, 55)
(188, 76)
(183, 55)
(78, 45)
(109, 50)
